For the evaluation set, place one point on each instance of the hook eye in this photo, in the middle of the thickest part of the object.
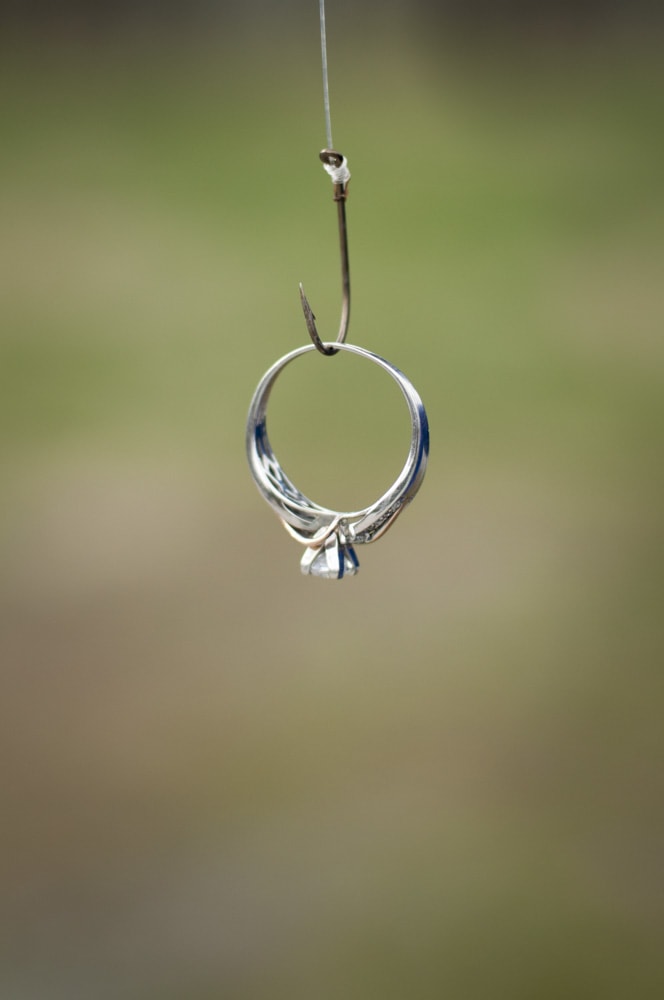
(331, 157)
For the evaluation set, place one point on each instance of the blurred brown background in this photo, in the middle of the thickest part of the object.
(440, 778)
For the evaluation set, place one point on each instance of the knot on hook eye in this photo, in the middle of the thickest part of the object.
(336, 166)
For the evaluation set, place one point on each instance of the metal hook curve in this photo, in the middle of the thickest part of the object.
(334, 159)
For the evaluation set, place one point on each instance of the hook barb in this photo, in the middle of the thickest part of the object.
(335, 164)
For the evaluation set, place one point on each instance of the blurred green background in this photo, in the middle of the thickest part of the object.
(440, 778)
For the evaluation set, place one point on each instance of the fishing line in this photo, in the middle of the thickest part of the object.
(326, 86)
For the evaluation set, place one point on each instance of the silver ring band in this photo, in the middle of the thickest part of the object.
(328, 534)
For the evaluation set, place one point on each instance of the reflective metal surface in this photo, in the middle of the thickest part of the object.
(332, 534)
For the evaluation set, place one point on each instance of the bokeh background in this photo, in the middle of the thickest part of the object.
(440, 779)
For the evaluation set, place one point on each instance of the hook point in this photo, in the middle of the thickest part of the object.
(310, 320)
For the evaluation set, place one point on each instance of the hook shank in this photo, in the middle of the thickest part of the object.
(335, 165)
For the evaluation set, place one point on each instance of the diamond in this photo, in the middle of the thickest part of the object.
(332, 561)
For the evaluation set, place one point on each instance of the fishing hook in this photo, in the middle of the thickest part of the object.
(333, 160)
